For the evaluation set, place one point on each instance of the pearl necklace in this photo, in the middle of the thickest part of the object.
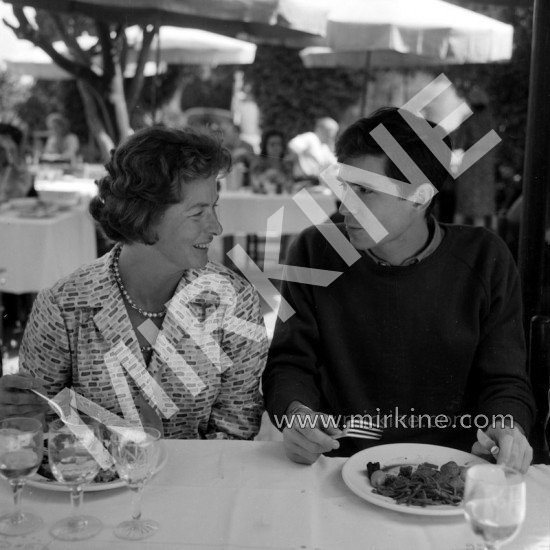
(125, 294)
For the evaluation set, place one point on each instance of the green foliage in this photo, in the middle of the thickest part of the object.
(507, 85)
(290, 97)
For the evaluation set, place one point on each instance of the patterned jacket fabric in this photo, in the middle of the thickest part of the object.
(203, 377)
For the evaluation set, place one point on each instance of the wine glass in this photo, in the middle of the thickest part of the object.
(136, 452)
(72, 462)
(494, 502)
(21, 448)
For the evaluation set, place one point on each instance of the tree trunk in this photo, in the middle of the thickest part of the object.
(104, 141)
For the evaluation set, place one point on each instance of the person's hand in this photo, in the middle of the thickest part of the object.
(16, 400)
(308, 435)
(513, 448)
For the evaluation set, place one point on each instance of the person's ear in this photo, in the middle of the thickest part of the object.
(423, 195)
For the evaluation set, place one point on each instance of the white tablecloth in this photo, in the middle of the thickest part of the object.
(37, 252)
(238, 495)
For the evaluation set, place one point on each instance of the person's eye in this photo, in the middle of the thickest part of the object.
(360, 190)
(197, 214)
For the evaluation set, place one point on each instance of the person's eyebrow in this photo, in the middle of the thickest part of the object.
(202, 204)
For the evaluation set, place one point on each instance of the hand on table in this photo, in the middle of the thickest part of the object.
(306, 440)
(513, 448)
(15, 400)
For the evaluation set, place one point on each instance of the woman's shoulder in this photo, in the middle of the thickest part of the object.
(217, 273)
(85, 286)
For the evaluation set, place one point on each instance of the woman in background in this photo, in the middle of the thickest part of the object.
(61, 146)
(271, 171)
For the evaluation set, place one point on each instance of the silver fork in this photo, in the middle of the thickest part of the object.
(360, 429)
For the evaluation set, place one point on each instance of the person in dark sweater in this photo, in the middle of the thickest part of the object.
(422, 334)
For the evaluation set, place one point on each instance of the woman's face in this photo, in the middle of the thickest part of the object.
(274, 146)
(187, 228)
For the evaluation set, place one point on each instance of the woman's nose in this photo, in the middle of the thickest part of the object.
(214, 226)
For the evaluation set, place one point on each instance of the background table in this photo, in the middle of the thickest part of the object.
(38, 252)
(238, 495)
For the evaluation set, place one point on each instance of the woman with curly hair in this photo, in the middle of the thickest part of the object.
(153, 330)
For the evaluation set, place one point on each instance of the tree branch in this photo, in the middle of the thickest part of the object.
(109, 54)
(70, 40)
(28, 32)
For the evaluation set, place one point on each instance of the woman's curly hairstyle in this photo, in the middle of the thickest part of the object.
(145, 177)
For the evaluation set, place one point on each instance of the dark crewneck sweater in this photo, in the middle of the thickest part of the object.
(443, 336)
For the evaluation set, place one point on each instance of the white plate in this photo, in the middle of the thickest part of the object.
(40, 482)
(355, 477)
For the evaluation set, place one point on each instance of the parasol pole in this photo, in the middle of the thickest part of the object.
(366, 73)
(536, 173)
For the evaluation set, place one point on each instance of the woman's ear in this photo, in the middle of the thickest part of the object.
(423, 195)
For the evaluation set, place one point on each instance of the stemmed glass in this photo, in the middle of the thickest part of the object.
(136, 452)
(494, 502)
(72, 463)
(21, 448)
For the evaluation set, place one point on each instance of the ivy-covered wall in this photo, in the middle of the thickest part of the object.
(291, 97)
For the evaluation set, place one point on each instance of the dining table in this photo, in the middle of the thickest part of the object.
(237, 495)
(36, 251)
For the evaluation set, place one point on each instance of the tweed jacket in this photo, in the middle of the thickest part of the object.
(203, 376)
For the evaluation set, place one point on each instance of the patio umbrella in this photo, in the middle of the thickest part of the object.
(404, 34)
(177, 46)
(294, 23)
(181, 46)
(26, 59)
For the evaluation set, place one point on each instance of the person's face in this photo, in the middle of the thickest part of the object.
(57, 127)
(398, 216)
(274, 146)
(188, 227)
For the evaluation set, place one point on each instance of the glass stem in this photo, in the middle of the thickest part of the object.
(76, 521)
(136, 502)
(17, 490)
(76, 499)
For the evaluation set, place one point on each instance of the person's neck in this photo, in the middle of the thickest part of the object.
(395, 252)
(148, 278)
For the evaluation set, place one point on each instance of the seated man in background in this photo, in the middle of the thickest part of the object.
(15, 180)
(314, 150)
(426, 323)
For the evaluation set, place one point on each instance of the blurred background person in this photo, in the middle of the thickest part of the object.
(61, 145)
(476, 187)
(15, 179)
(314, 150)
(271, 170)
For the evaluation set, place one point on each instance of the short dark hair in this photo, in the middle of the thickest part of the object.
(265, 138)
(145, 177)
(356, 141)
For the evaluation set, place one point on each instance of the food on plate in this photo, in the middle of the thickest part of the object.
(422, 485)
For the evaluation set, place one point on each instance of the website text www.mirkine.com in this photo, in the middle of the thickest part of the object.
(394, 419)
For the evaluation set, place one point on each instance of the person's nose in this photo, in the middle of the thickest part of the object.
(343, 210)
(213, 225)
